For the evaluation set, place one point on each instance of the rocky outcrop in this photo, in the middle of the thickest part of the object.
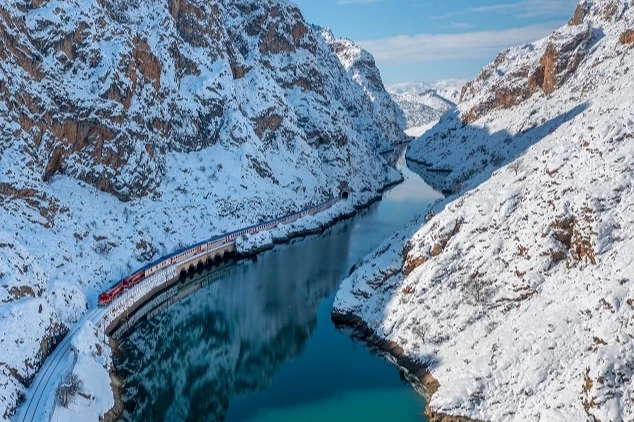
(580, 14)
(101, 114)
(131, 129)
(627, 37)
(519, 73)
(523, 75)
(361, 67)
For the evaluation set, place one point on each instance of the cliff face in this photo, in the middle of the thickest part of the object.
(516, 291)
(361, 68)
(102, 90)
(131, 128)
(574, 61)
(544, 66)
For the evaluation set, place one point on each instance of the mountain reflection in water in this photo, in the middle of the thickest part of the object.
(258, 344)
(231, 336)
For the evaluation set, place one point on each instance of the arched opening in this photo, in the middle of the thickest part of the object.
(226, 257)
(217, 259)
(183, 274)
(209, 263)
(192, 270)
(345, 194)
(200, 267)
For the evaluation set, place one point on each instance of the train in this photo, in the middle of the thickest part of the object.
(107, 297)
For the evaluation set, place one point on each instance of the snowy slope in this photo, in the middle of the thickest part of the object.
(422, 104)
(448, 89)
(518, 293)
(362, 69)
(132, 129)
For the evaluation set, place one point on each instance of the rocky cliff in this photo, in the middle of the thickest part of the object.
(516, 292)
(101, 91)
(131, 128)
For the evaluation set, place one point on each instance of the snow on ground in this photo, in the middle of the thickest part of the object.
(92, 360)
(418, 131)
(519, 292)
(220, 141)
(422, 104)
(94, 235)
(446, 88)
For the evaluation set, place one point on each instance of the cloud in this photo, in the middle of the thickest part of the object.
(404, 49)
(520, 9)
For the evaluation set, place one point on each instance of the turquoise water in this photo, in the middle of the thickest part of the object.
(258, 344)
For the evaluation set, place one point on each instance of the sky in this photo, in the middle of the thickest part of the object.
(428, 40)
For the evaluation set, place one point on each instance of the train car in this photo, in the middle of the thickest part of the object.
(133, 279)
(108, 296)
(216, 242)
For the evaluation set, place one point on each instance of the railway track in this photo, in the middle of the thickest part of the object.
(39, 398)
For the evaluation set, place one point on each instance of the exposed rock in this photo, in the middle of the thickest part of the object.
(627, 37)
(100, 114)
(577, 18)
(562, 56)
(412, 263)
(543, 187)
(188, 129)
(267, 123)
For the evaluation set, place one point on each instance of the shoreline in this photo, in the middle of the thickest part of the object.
(116, 386)
(254, 252)
(116, 383)
(416, 372)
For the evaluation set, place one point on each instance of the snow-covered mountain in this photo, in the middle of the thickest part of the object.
(517, 292)
(422, 104)
(129, 129)
(448, 89)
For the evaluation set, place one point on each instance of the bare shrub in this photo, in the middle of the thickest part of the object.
(68, 389)
(516, 166)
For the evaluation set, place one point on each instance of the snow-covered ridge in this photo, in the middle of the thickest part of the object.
(518, 292)
(447, 88)
(202, 115)
(422, 104)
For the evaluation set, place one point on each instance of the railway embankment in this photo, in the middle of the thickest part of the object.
(310, 226)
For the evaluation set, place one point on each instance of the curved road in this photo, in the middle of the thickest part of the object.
(39, 401)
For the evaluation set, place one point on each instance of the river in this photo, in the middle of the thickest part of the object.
(258, 345)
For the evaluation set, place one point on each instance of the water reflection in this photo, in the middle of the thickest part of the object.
(231, 336)
(396, 157)
(258, 344)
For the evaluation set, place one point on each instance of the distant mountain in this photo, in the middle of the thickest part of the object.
(422, 104)
(446, 88)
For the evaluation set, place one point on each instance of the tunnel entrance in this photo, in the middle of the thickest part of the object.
(345, 194)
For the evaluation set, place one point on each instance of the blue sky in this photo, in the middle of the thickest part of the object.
(427, 40)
